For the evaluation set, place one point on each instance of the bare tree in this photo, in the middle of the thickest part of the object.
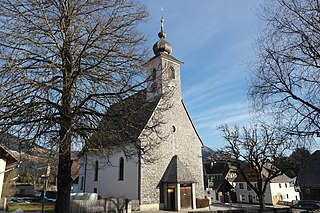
(254, 152)
(62, 63)
(286, 81)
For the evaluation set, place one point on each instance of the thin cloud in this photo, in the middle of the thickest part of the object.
(236, 114)
(234, 120)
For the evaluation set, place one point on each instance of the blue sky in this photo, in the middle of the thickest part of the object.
(215, 39)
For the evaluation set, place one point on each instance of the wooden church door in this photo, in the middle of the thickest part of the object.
(185, 197)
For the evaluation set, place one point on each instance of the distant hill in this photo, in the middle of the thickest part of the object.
(34, 158)
(208, 154)
(17, 145)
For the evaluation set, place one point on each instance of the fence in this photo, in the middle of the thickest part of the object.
(287, 203)
(116, 205)
(135, 206)
(269, 210)
(275, 210)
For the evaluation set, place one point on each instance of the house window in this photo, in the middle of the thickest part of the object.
(121, 168)
(287, 196)
(95, 190)
(172, 73)
(285, 185)
(248, 187)
(81, 183)
(242, 197)
(96, 170)
(241, 186)
(279, 185)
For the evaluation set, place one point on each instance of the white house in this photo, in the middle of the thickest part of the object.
(162, 165)
(7, 159)
(280, 188)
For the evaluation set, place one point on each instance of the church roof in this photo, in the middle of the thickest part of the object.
(309, 172)
(124, 121)
(177, 172)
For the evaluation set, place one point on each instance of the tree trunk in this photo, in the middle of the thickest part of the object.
(262, 203)
(64, 176)
(64, 168)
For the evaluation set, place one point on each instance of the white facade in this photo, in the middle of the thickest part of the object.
(276, 191)
(284, 192)
(2, 171)
(107, 183)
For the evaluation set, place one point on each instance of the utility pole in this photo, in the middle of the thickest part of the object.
(45, 178)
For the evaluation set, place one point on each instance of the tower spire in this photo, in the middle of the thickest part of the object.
(162, 19)
(162, 34)
(162, 46)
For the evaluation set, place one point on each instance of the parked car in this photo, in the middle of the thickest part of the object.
(306, 206)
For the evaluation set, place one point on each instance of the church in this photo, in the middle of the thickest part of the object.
(162, 165)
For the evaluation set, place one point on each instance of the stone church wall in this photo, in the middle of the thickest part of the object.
(178, 137)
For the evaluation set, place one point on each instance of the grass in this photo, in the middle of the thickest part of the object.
(34, 206)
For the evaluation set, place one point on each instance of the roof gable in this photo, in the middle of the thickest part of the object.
(177, 172)
(7, 155)
(222, 185)
(193, 126)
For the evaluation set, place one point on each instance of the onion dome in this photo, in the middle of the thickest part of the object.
(162, 46)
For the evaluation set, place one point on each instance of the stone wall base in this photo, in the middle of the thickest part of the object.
(149, 207)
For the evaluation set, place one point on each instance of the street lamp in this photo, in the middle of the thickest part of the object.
(45, 179)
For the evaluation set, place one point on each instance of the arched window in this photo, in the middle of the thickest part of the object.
(172, 73)
(96, 170)
(121, 168)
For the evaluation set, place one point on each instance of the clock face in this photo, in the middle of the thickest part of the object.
(172, 85)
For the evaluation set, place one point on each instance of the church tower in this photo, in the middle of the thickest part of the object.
(163, 70)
